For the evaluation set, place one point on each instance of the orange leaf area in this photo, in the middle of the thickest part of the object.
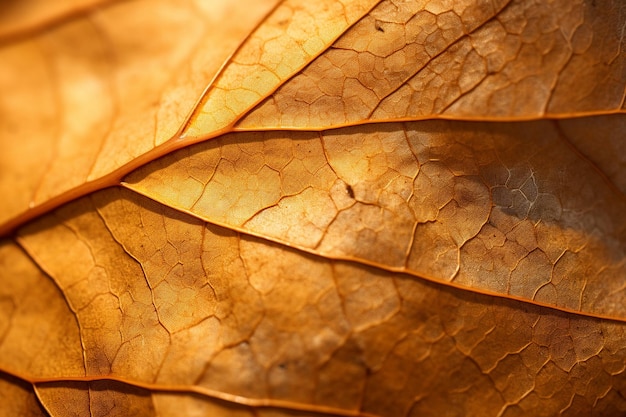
(277, 208)
(163, 300)
(509, 208)
(84, 98)
(461, 59)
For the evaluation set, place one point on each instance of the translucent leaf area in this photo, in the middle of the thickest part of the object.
(333, 208)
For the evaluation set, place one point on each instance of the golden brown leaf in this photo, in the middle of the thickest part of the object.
(463, 59)
(18, 399)
(36, 323)
(214, 311)
(468, 203)
(291, 36)
(84, 98)
(335, 208)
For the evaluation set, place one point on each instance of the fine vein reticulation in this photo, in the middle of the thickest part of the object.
(344, 208)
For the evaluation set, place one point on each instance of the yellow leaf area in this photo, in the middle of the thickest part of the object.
(342, 208)
(87, 91)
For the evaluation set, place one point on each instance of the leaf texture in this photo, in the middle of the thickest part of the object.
(464, 59)
(214, 317)
(343, 208)
(431, 198)
(91, 95)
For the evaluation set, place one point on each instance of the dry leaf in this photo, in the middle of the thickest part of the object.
(344, 208)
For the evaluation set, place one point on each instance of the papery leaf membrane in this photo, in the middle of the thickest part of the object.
(82, 99)
(36, 323)
(506, 208)
(261, 321)
(288, 39)
(18, 399)
(338, 208)
(462, 59)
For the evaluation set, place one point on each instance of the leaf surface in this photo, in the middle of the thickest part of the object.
(463, 59)
(343, 208)
(223, 312)
(84, 98)
(467, 203)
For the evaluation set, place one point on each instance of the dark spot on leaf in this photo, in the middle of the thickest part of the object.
(349, 190)
(378, 26)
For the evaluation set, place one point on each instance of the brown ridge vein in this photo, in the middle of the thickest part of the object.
(58, 287)
(205, 94)
(115, 177)
(186, 389)
(438, 54)
(387, 268)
